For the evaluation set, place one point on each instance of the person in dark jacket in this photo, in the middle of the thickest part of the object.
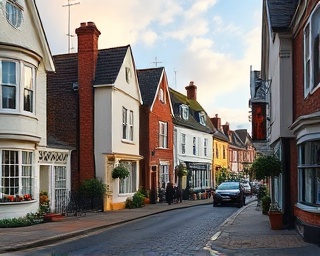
(169, 193)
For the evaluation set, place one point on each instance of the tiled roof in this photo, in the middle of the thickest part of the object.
(220, 135)
(149, 80)
(281, 13)
(109, 64)
(236, 141)
(194, 108)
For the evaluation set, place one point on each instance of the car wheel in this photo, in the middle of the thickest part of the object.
(240, 203)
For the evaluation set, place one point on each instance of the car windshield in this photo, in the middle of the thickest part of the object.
(227, 186)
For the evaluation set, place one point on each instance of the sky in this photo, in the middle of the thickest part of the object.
(213, 43)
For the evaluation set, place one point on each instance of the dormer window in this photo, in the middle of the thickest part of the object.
(202, 118)
(14, 13)
(161, 96)
(184, 112)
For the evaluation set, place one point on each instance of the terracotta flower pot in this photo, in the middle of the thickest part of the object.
(275, 219)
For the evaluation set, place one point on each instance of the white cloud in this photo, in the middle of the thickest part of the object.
(192, 29)
(198, 8)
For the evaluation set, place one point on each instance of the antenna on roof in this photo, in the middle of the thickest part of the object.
(175, 78)
(69, 35)
(156, 61)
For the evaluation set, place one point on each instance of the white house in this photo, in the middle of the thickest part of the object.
(193, 132)
(27, 165)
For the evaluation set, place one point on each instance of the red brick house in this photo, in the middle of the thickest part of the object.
(156, 131)
(289, 84)
(306, 119)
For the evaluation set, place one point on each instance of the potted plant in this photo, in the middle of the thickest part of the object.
(120, 172)
(269, 166)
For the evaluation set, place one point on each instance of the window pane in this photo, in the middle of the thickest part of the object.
(8, 97)
(10, 177)
(9, 72)
(13, 14)
(124, 123)
(28, 89)
(128, 185)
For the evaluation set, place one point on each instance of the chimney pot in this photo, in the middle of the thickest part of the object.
(191, 91)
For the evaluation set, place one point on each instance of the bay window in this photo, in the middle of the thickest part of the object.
(309, 173)
(16, 173)
(128, 185)
(17, 86)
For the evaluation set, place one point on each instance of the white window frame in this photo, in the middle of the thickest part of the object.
(309, 173)
(28, 88)
(128, 74)
(14, 13)
(312, 53)
(194, 146)
(184, 112)
(202, 118)
(128, 185)
(163, 134)
(127, 124)
(20, 86)
(162, 97)
(205, 147)
(164, 176)
(183, 143)
(20, 169)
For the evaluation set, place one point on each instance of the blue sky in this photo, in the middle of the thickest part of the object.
(210, 42)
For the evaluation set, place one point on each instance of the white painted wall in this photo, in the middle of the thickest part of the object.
(188, 156)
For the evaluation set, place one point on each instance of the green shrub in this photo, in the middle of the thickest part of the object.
(136, 201)
(93, 188)
(29, 219)
(261, 192)
(265, 202)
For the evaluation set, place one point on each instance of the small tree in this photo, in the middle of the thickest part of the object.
(92, 189)
(267, 166)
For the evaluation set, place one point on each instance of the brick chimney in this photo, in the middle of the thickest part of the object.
(226, 129)
(191, 91)
(216, 121)
(88, 35)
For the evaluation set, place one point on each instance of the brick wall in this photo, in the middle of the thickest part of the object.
(302, 106)
(307, 217)
(88, 36)
(62, 109)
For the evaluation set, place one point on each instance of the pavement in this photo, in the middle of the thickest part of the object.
(247, 232)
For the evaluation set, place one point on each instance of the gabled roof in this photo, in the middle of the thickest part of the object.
(281, 13)
(149, 80)
(109, 63)
(236, 141)
(195, 108)
(220, 135)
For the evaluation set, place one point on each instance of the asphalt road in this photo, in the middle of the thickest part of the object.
(180, 232)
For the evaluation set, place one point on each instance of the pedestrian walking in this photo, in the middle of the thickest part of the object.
(169, 193)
